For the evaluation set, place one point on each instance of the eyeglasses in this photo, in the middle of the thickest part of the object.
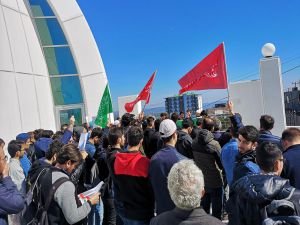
(5, 158)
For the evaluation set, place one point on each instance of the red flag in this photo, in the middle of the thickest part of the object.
(144, 95)
(210, 73)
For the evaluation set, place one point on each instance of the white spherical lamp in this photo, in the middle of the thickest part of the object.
(268, 50)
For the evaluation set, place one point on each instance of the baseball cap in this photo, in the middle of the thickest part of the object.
(116, 122)
(22, 137)
(166, 128)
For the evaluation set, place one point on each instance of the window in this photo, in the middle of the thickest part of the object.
(60, 61)
(50, 31)
(64, 116)
(66, 90)
(40, 8)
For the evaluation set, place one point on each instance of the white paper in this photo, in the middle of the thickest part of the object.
(82, 141)
(84, 196)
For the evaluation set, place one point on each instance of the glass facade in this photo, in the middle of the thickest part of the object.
(65, 83)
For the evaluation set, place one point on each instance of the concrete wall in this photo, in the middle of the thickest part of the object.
(247, 99)
(25, 93)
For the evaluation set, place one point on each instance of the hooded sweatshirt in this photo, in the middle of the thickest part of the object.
(131, 175)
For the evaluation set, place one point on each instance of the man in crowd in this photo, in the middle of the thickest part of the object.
(64, 208)
(245, 160)
(164, 116)
(11, 200)
(256, 191)
(131, 176)
(155, 140)
(266, 125)
(291, 144)
(116, 141)
(184, 141)
(96, 214)
(148, 132)
(186, 186)
(16, 172)
(25, 162)
(228, 155)
(206, 152)
(161, 163)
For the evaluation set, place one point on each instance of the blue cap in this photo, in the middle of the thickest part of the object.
(22, 137)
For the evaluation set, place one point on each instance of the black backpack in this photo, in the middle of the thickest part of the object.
(280, 212)
(35, 212)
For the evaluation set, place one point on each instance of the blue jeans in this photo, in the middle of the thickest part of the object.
(213, 196)
(127, 221)
(95, 217)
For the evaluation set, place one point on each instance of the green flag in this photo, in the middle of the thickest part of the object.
(105, 108)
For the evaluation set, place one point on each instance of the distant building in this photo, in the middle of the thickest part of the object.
(183, 102)
(292, 106)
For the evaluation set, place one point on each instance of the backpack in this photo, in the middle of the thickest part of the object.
(280, 212)
(35, 212)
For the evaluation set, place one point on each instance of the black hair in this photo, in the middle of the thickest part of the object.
(234, 131)
(199, 121)
(126, 119)
(174, 117)
(54, 148)
(150, 120)
(13, 147)
(37, 134)
(47, 134)
(203, 113)
(114, 134)
(164, 114)
(58, 135)
(208, 123)
(105, 142)
(134, 136)
(63, 126)
(186, 123)
(96, 132)
(291, 134)
(266, 155)
(250, 133)
(167, 139)
(2, 141)
(266, 122)
(157, 124)
(69, 152)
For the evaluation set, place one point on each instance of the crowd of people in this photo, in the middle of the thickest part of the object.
(160, 171)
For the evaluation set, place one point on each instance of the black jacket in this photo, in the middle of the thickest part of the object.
(252, 193)
(146, 141)
(206, 152)
(185, 217)
(184, 144)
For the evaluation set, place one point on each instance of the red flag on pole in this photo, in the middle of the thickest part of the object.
(210, 73)
(144, 95)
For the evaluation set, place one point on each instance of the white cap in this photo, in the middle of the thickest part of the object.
(117, 122)
(166, 128)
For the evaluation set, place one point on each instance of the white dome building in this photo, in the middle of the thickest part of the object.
(50, 66)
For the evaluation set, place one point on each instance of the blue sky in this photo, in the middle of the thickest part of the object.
(136, 37)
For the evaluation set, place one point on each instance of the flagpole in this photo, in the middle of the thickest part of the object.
(226, 72)
(150, 90)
